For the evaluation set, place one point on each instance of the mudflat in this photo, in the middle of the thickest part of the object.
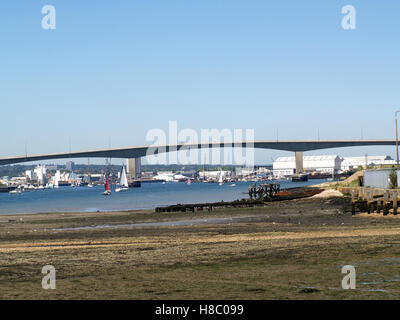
(284, 250)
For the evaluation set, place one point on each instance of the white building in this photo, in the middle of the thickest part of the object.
(263, 170)
(164, 175)
(349, 163)
(214, 174)
(17, 180)
(245, 171)
(285, 166)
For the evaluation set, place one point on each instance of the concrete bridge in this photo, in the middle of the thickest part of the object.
(297, 146)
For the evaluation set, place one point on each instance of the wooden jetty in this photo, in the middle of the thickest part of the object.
(371, 200)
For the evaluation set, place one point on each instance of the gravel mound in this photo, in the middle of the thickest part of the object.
(328, 194)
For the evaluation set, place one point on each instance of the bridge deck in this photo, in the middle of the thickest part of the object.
(141, 151)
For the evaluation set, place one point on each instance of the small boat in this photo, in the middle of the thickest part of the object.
(17, 190)
(90, 185)
(299, 177)
(107, 190)
(188, 181)
(123, 182)
(233, 185)
(74, 184)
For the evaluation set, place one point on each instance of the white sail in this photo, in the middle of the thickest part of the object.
(123, 181)
(57, 177)
(221, 181)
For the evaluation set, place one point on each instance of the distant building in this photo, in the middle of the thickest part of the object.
(214, 174)
(17, 180)
(244, 171)
(285, 166)
(96, 177)
(349, 163)
(263, 170)
(164, 175)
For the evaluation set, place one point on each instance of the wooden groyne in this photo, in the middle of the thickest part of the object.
(244, 203)
(371, 200)
(288, 194)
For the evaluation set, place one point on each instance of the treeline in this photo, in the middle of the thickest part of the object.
(19, 169)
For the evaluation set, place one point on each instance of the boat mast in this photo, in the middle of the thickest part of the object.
(88, 170)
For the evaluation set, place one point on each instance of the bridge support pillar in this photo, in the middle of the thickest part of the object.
(299, 162)
(134, 170)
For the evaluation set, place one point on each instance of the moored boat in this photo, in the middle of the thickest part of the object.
(107, 190)
(123, 182)
(299, 177)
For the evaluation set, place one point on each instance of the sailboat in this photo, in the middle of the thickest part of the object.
(90, 184)
(123, 182)
(107, 190)
(220, 181)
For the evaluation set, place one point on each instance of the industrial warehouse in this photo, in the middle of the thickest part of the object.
(328, 164)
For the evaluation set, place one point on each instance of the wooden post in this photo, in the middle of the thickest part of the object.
(369, 201)
(385, 203)
(372, 206)
(394, 198)
(353, 204)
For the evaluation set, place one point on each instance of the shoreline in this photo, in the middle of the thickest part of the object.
(98, 213)
(73, 212)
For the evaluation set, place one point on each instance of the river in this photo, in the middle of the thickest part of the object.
(149, 196)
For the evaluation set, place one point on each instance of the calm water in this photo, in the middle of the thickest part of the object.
(149, 196)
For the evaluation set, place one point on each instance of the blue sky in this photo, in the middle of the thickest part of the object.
(112, 70)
